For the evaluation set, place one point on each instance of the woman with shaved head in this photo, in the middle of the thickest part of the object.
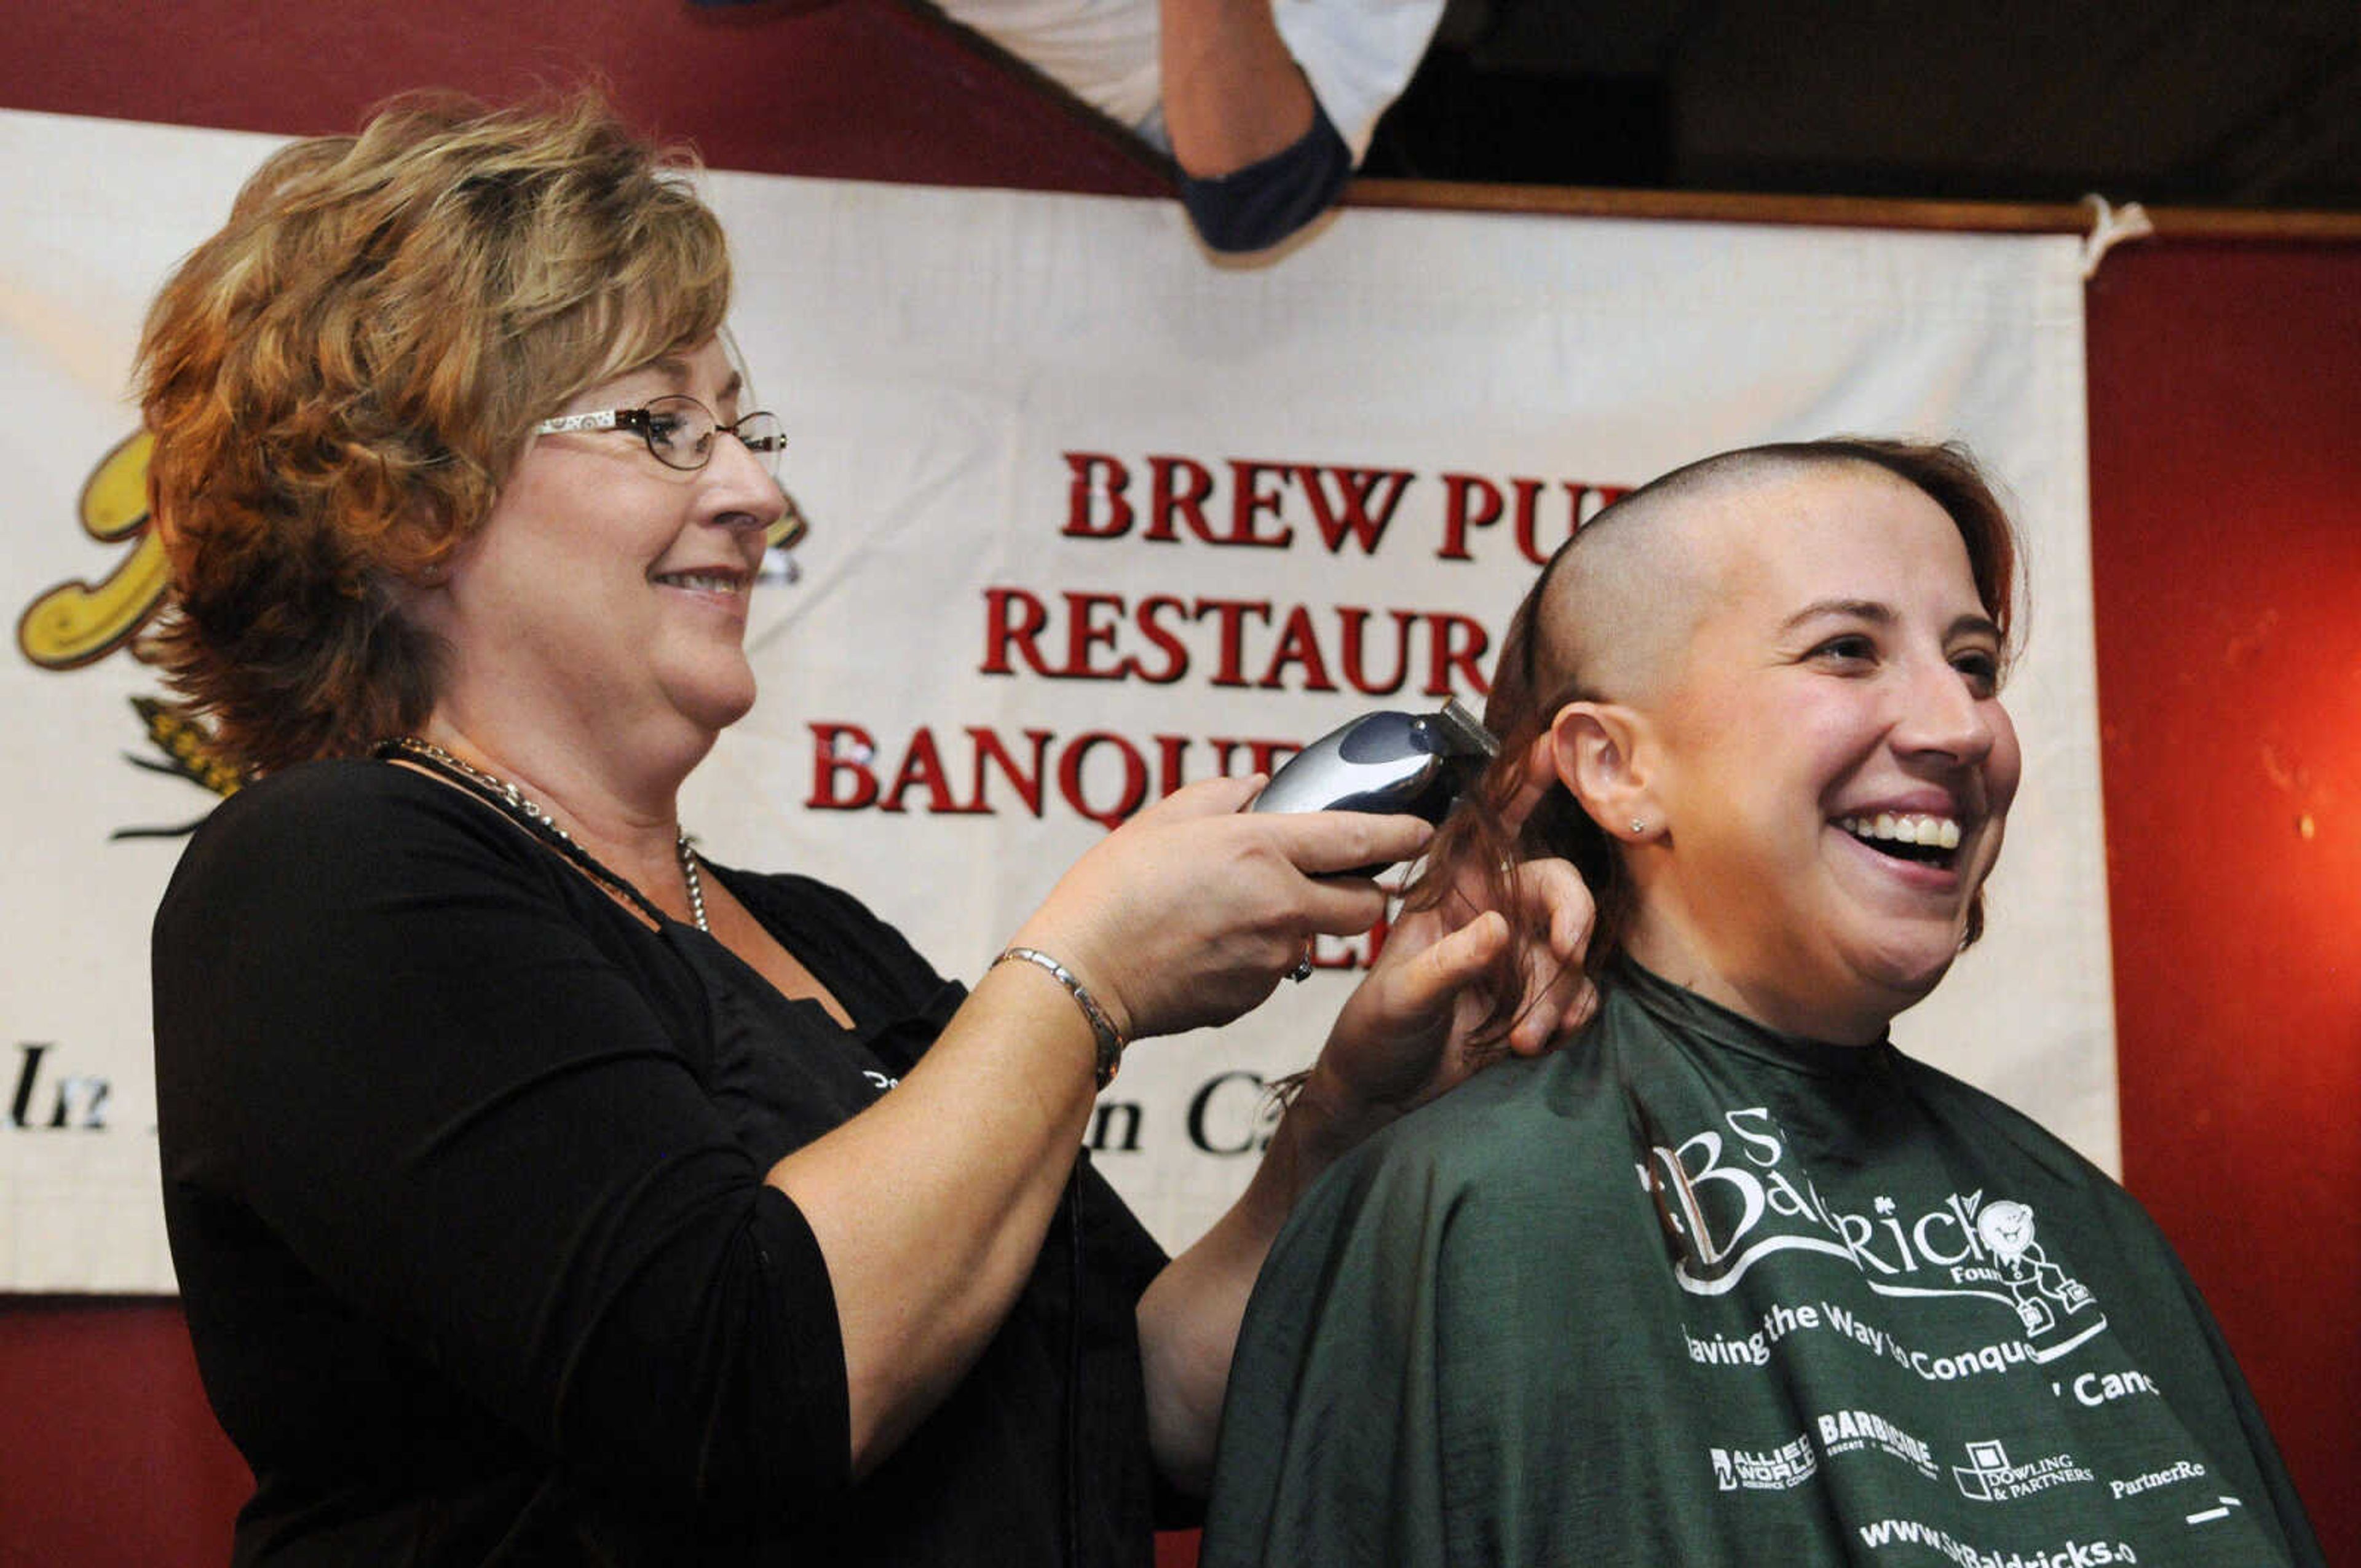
(1730, 1279)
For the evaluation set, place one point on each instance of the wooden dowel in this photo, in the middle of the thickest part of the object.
(1846, 211)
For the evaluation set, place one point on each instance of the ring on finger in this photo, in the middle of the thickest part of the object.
(1302, 970)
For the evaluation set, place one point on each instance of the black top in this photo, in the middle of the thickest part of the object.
(463, 1173)
(1256, 207)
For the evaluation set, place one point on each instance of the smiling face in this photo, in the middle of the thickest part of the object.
(605, 595)
(1826, 770)
(2005, 1227)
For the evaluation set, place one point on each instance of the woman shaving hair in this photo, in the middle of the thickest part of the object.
(540, 1191)
(1730, 1279)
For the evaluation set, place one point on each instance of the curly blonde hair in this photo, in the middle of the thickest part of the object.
(338, 381)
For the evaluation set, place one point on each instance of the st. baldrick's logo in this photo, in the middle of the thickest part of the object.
(1729, 1202)
(77, 623)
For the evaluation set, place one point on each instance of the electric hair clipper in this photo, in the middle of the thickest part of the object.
(1386, 763)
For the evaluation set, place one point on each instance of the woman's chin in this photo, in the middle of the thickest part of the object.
(1908, 975)
(717, 701)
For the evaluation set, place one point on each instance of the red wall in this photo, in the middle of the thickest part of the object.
(2226, 451)
(2225, 487)
(108, 1452)
(855, 89)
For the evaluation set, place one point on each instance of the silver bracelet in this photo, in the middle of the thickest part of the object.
(1103, 1030)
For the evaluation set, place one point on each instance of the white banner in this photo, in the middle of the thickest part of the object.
(1092, 517)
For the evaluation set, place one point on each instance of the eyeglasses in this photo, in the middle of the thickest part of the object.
(679, 430)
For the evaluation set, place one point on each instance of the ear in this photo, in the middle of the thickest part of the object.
(1602, 755)
(425, 584)
(415, 590)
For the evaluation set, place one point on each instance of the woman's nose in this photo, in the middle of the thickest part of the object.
(744, 488)
(1943, 715)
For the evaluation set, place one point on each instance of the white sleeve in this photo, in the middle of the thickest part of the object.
(1358, 55)
(1103, 52)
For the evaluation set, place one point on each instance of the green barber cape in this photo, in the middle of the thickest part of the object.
(1690, 1292)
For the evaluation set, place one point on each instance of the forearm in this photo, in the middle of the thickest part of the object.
(1190, 1316)
(930, 1207)
(1394, 1046)
(1232, 93)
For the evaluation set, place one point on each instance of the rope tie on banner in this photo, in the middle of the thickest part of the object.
(2109, 226)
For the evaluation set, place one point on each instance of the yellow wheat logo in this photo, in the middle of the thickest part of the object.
(80, 623)
(77, 623)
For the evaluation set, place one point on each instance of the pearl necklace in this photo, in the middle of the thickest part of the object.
(500, 792)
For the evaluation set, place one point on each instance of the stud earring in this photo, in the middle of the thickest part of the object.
(1639, 825)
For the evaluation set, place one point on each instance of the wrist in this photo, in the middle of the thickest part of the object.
(1107, 1036)
(1091, 955)
(1326, 1118)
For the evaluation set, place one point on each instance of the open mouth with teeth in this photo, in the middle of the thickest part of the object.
(705, 582)
(1923, 840)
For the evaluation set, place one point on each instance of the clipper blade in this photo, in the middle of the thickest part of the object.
(1467, 731)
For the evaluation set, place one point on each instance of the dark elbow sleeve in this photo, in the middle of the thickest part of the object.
(780, 1429)
(1262, 204)
(722, 1388)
